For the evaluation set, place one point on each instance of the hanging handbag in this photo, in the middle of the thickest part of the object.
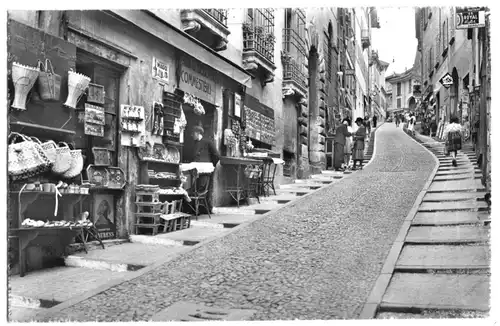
(63, 159)
(76, 166)
(49, 83)
(49, 148)
(25, 159)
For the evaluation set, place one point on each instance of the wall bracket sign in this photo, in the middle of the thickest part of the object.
(446, 80)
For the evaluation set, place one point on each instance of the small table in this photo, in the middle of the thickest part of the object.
(238, 192)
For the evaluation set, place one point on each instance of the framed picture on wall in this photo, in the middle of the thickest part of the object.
(103, 215)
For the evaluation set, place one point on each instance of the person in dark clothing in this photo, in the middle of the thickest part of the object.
(397, 119)
(204, 151)
(374, 121)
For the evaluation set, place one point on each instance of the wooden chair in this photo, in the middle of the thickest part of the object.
(198, 193)
(172, 217)
(267, 179)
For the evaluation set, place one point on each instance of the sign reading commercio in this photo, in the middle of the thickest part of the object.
(197, 79)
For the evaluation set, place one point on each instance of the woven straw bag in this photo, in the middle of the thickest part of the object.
(63, 159)
(76, 164)
(49, 149)
(25, 159)
(49, 83)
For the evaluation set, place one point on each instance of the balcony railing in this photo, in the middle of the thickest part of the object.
(219, 15)
(292, 72)
(254, 39)
(292, 42)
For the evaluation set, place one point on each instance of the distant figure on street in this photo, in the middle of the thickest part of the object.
(466, 128)
(398, 120)
(375, 121)
(411, 124)
(475, 130)
(453, 138)
(359, 144)
(368, 125)
(348, 143)
(433, 127)
(339, 141)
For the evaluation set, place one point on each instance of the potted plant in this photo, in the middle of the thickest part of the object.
(247, 27)
(259, 30)
(270, 38)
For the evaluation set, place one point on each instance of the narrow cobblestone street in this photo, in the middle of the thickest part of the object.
(315, 259)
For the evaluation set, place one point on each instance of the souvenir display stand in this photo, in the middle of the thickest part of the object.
(159, 196)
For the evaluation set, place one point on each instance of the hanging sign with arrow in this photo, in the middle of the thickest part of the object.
(446, 80)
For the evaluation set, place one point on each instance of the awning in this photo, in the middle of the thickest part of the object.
(151, 23)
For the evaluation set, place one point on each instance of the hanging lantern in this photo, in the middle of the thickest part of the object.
(24, 78)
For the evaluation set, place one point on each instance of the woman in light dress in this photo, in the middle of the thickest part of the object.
(348, 143)
(452, 136)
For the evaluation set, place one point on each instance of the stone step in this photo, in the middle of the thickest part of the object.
(432, 314)
(453, 196)
(419, 257)
(222, 220)
(297, 191)
(458, 168)
(458, 177)
(123, 258)
(448, 234)
(242, 210)
(309, 185)
(437, 291)
(457, 171)
(320, 181)
(330, 173)
(265, 208)
(456, 185)
(450, 218)
(191, 236)
(469, 205)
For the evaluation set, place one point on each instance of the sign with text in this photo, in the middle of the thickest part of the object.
(197, 79)
(237, 105)
(470, 18)
(349, 72)
(160, 71)
(446, 80)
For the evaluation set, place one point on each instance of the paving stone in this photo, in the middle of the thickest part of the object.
(471, 205)
(442, 234)
(458, 185)
(444, 256)
(295, 250)
(438, 291)
(453, 196)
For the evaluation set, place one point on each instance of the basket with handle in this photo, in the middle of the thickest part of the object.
(26, 158)
(63, 159)
(76, 166)
(49, 149)
(49, 83)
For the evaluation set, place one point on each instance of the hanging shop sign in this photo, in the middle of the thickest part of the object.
(237, 105)
(94, 120)
(197, 79)
(104, 216)
(446, 80)
(95, 94)
(470, 17)
(160, 71)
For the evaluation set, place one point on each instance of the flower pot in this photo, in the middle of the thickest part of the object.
(24, 78)
(77, 84)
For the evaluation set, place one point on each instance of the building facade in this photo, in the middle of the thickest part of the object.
(295, 71)
(377, 90)
(463, 53)
(402, 86)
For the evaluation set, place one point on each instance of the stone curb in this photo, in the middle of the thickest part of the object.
(373, 302)
(135, 274)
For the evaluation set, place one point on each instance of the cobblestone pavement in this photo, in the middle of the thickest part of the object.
(316, 259)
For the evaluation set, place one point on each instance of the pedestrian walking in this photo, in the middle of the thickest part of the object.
(375, 121)
(348, 143)
(453, 138)
(359, 144)
(368, 125)
(433, 127)
(411, 124)
(339, 141)
(398, 121)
